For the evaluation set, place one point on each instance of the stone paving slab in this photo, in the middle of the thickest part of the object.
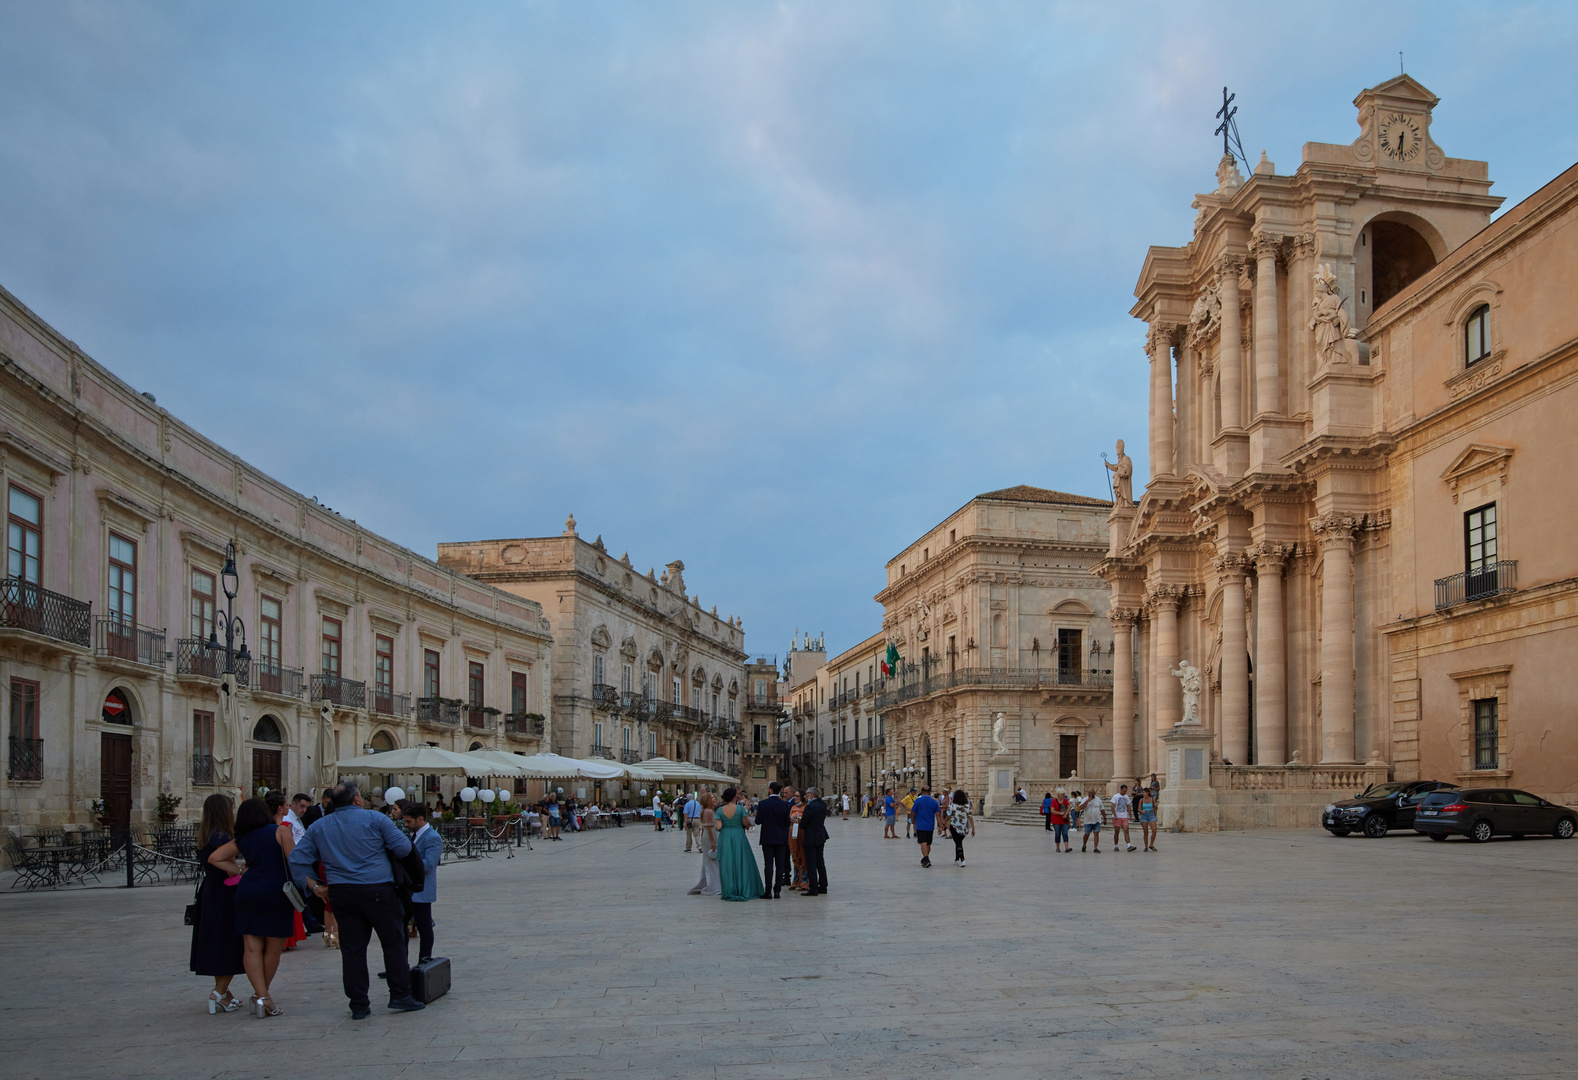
(1269, 954)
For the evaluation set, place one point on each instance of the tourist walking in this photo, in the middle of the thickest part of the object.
(844, 803)
(907, 804)
(554, 817)
(216, 944)
(737, 875)
(1057, 815)
(430, 849)
(1046, 810)
(354, 845)
(692, 822)
(1145, 803)
(264, 918)
(960, 821)
(707, 839)
(772, 814)
(923, 813)
(890, 812)
(657, 810)
(813, 837)
(1090, 818)
(1120, 817)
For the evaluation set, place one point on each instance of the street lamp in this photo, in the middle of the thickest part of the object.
(230, 580)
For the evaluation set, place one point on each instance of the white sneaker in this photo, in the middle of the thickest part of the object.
(1131, 847)
(961, 862)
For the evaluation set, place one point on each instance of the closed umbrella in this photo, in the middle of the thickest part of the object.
(323, 760)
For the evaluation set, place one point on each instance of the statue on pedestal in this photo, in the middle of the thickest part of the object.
(999, 747)
(1333, 333)
(1189, 676)
(1122, 477)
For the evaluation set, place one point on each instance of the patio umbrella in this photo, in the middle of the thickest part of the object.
(426, 759)
(514, 764)
(556, 765)
(323, 752)
(684, 770)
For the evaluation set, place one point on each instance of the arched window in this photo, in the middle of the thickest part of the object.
(117, 709)
(267, 730)
(1476, 336)
(382, 742)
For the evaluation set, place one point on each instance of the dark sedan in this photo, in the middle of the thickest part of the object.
(1379, 808)
(1480, 813)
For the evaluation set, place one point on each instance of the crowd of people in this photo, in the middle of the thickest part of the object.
(276, 871)
(1082, 813)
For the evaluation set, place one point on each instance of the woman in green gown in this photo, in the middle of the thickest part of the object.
(736, 862)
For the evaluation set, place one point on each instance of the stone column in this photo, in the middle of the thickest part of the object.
(1185, 424)
(1335, 534)
(1271, 668)
(1206, 406)
(1231, 361)
(1160, 346)
(1167, 692)
(1235, 661)
(1122, 620)
(1267, 397)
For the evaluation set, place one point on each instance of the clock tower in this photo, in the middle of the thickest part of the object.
(1394, 127)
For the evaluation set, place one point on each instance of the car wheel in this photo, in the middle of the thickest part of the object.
(1564, 829)
(1481, 832)
(1339, 832)
(1437, 835)
(1375, 826)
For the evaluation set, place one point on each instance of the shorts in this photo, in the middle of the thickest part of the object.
(1092, 828)
(1120, 823)
(923, 836)
(1147, 818)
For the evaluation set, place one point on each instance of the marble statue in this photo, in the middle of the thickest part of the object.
(998, 745)
(1333, 333)
(1122, 478)
(1189, 676)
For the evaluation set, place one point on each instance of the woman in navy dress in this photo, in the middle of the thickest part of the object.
(216, 945)
(264, 918)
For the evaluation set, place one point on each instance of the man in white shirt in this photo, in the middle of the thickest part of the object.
(693, 822)
(1120, 817)
(657, 810)
(299, 805)
(844, 803)
(1090, 818)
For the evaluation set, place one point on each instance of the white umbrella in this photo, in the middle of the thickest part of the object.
(425, 759)
(684, 770)
(556, 765)
(515, 764)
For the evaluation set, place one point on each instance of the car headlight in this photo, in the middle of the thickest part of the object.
(1359, 810)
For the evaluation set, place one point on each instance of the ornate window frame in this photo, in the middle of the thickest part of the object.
(1474, 685)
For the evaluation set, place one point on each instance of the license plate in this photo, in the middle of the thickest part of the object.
(1427, 813)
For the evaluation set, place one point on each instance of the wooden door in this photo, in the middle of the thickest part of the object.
(115, 778)
(1067, 755)
(267, 770)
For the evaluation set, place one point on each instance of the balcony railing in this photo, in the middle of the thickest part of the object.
(717, 764)
(203, 769)
(27, 759)
(391, 704)
(523, 724)
(346, 693)
(873, 742)
(910, 685)
(478, 719)
(284, 681)
(1495, 579)
(603, 752)
(629, 757)
(437, 711)
(605, 695)
(688, 714)
(117, 640)
(194, 657)
(26, 606)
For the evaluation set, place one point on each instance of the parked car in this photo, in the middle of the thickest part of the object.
(1480, 813)
(1380, 808)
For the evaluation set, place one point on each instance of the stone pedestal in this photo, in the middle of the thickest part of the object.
(1188, 803)
(1001, 773)
(1118, 524)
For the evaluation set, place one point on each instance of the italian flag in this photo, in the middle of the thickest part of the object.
(890, 663)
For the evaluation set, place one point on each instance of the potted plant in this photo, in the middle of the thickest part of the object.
(168, 805)
(99, 810)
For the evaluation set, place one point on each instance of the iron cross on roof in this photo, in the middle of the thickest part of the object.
(1228, 128)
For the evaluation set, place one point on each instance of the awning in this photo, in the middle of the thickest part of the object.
(427, 760)
(684, 770)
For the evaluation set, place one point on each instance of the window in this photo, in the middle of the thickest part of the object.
(430, 685)
(627, 738)
(1068, 655)
(626, 678)
(270, 637)
(518, 694)
(951, 536)
(202, 747)
(383, 673)
(731, 708)
(676, 690)
(714, 706)
(651, 744)
(27, 749)
(1486, 752)
(1479, 552)
(1476, 336)
(24, 535)
(474, 679)
(597, 734)
(202, 607)
(123, 580)
(759, 691)
(597, 669)
(331, 647)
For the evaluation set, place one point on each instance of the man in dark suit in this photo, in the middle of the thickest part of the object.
(772, 814)
(813, 835)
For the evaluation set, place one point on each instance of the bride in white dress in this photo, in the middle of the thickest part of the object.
(710, 884)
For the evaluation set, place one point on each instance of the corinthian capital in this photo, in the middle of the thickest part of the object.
(1163, 596)
(1332, 530)
(1231, 565)
(1122, 614)
(1268, 558)
(1162, 335)
(1265, 245)
(1227, 266)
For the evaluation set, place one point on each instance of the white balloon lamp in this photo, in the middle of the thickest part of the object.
(468, 794)
(504, 796)
(486, 795)
(393, 794)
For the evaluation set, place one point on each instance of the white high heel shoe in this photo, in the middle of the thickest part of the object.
(218, 1003)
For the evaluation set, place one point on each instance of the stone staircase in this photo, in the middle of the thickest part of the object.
(1023, 813)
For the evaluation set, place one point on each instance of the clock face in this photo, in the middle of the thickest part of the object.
(1401, 137)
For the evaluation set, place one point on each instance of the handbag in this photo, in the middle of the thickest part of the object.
(191, 909)
(292, 893)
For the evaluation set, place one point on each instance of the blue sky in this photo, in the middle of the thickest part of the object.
(770, 288)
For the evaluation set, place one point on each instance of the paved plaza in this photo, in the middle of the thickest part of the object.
(1278, 954)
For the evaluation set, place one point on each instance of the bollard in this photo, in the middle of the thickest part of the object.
(131, 881)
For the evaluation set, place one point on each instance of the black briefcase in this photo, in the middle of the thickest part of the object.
(430, 979)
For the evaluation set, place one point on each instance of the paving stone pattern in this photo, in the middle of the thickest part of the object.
(1272, 954)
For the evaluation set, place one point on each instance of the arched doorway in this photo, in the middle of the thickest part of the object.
(268, 761)
(115, 758)
(1394, 250)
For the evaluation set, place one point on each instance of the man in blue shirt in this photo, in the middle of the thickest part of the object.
(692, 822)
(430, 846)
(889, 814)
(354, 844)
(924, 814)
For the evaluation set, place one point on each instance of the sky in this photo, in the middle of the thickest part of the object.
(771, 288)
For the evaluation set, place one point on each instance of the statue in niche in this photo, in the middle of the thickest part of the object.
(1334, 334)
(1122, 477)
(1189, 676)
(999, 747)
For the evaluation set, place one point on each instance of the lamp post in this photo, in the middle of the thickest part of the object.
(230, 582)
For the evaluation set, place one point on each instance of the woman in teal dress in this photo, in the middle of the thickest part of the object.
(736, 862)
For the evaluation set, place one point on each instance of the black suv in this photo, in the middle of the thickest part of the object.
(1380, 808)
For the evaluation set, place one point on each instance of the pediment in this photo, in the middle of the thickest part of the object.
(601, 638)
(1402, 86)
(1476, 460)
(627, 648)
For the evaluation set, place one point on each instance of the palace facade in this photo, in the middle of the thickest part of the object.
(1357, 496)
(119, 525)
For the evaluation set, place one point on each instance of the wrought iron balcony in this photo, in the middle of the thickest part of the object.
(391, 704)
(346, 693)
(114, 639)
(601, 751)
(629, 757)
(479, 719)
(1495, 579)
(717, 765)
(195, 659)
(523, 725)
(604, 695)
(437, 711)
(910, 684)
(27, 759)
(28, 607)
(203, 769)
(274, 679)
